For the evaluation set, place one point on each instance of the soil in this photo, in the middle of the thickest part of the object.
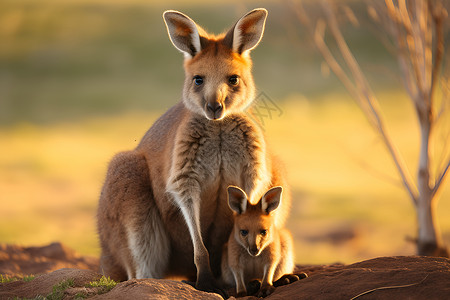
(402, 277)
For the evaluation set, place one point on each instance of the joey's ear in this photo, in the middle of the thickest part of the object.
(183, 32)
(237, 199)
(248, 31)
(271, 199)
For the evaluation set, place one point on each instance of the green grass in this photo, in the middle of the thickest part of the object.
(105, 284)
(58, 289)
(6, 278)
(28, 278)
(102, 285)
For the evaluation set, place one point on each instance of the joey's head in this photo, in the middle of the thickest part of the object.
(254, 224)
(218, 74)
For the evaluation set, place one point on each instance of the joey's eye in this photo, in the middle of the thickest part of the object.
(244, 232)
(234, 79)
(198, 80)
(263, 232)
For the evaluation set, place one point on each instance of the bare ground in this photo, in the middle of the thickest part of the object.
(402, 277)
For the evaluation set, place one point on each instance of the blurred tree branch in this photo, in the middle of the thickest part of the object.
(416, 28)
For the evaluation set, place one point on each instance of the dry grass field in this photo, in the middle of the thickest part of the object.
(345, 206)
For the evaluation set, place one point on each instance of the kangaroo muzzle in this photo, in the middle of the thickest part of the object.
(214, 110)
(253, 250)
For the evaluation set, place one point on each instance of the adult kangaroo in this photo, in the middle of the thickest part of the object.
(163, 209)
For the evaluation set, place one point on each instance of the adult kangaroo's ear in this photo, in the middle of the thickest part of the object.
(237, 199)
(271, 200)
(183, 32)
(248, 31)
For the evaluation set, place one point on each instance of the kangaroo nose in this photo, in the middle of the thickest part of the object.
(254, 251)
(214, 107)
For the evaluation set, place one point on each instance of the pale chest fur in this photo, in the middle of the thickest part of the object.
(210, 155)
(253, 267)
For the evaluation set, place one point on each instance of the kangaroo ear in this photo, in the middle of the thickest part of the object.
(271, 199)
(183, 32)
(248, 31)
(237, 199)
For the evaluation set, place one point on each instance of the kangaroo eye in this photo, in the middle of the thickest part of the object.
(234, 80)
(198, 80)
(244, 232)
(263, 232)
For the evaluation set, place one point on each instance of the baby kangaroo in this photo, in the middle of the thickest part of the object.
(256, 248)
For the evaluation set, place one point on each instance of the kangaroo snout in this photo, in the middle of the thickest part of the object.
(214, 110)
(253, 250)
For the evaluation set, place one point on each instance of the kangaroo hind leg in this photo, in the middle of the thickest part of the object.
(128, 210)
(149, 245)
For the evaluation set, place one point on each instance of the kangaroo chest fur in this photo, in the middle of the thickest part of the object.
(209, 156)
(216, 151)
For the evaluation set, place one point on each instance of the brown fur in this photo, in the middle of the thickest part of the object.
(264, 251)
(163, 208)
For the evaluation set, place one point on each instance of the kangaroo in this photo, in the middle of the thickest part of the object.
(256, 248)
(163, 207)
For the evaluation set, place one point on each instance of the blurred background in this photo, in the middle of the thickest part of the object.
(82, 80)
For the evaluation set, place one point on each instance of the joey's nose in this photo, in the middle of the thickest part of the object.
(253, 251)
(214, 107)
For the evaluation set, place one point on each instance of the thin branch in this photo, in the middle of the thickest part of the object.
(380, 19)
(442, 160)
(420, 72)
(362, 94)
(438, 15)
(407, 78)
(420, 56)
(410, 51)
(317, 33)
(372, 103)
(331, 61)
(416, 49)
(442, 121)
(340, 73)
(445, 101)
(388, 287)
(440, 179)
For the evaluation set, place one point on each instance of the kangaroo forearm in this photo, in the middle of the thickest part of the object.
(269, 271)
(240, 280)
(255, 175)
(190, 209)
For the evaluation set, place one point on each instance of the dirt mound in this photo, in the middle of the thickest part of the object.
(410, 277)
(46, 284)
(155, 289)
(19, 261)
(75, 284)
(404, 277)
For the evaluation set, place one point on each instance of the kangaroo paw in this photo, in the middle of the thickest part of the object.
(289, 278)
(253, 287)
(266, 291)
(211, 286)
